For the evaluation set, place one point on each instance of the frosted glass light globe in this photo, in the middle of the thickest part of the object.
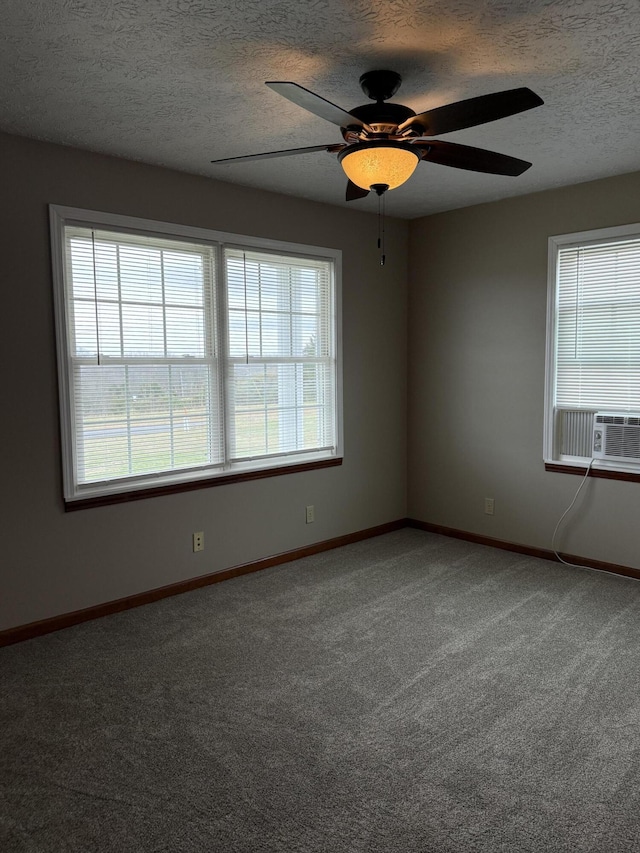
(372, 163)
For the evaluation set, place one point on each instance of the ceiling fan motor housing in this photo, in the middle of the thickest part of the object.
(381, 117)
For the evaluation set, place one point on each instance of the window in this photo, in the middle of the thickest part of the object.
(593, 349)
(188, 356)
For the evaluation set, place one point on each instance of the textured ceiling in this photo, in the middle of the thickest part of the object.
(181, 82)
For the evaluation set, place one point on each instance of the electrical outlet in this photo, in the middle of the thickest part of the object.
(198, 541)
(489, 504)
(310, 515)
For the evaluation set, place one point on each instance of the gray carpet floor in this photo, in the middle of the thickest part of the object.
(406, 693)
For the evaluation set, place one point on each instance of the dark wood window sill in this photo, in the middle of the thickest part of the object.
(176, 488)
(560, 468)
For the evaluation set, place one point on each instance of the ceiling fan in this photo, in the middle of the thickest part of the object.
(383, 142)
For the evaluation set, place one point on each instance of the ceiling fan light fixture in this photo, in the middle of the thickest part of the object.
(383, 162)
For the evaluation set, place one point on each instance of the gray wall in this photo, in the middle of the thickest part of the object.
(477, 310)
(477, 314)
(55, 562)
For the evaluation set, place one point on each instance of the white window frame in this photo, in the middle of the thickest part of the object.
(120, 488)
(551, 440)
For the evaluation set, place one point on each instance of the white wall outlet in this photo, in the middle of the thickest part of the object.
(310, 517)
(198, 541)
(489, 505)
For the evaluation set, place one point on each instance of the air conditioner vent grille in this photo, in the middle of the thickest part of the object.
(623, 442)
(616, 437)
(610, 419)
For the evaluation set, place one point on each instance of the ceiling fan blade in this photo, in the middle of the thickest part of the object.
(317, 105)
(473, 159)
(354, 192)
(474, 111)
(285, 153)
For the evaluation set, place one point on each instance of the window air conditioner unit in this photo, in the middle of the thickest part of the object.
(616, 437)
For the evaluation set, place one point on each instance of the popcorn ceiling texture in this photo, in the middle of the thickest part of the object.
(181, 82)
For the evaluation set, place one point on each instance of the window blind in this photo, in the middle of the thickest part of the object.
(142, 354)
(281, 365)
(598, 326)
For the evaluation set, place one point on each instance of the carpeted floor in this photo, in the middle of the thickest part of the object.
(406, 693)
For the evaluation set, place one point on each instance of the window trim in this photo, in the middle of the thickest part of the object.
(601, 468)
(76, 495)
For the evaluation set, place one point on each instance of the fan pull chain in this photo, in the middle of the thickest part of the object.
(382, 256)
(380, 189)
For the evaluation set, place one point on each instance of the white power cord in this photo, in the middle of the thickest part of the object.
(562, 517)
